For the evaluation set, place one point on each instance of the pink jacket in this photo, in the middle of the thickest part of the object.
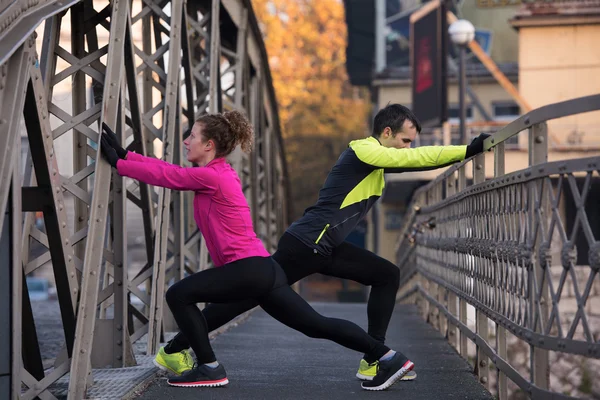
(220, 208)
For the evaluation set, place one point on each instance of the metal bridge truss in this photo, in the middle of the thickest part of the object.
(148, 69)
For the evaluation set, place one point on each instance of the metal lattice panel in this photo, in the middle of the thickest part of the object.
(116, 383)
(520, 248)
(491, 238)
(147, 69)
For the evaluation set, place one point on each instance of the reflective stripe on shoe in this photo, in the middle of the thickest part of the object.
(216, 383)
(382, 381)
(201, 376)
(410, 376)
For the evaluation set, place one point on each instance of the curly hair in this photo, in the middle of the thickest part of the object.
(228, 130)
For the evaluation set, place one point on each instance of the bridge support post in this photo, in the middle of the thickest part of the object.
(452, 332)
(482, 362)
(462, 304)
(501, 382)
(539, 310)
(11, 285)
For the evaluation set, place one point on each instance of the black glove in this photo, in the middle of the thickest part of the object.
(476, 145)
(108, 152)
(112, 140)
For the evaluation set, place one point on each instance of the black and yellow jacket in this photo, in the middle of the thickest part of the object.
(355, 183)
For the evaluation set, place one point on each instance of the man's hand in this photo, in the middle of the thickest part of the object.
(476, 145)
(107, 151)
(113, 142)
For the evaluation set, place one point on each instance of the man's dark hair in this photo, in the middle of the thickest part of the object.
(393, 115)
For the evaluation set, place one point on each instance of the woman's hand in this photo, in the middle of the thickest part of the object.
(112, 140)
(108, 152)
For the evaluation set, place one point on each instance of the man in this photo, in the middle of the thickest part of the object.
(315, 243)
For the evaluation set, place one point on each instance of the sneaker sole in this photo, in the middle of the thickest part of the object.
(217, 383)
(164, 368)
(364, 377)
(406, 377)
(408, 366)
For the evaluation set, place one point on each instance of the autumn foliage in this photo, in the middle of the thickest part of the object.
(319, 110)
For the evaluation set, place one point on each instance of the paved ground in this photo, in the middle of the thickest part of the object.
(48, 323)
(266, 360)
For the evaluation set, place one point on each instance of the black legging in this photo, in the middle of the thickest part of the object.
(299, 261)
(262, 280)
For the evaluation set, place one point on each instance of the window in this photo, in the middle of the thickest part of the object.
(506, 110)
(454, 115)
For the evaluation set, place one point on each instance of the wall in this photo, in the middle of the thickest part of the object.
(484, 15)
(558, 63)
(486, 92)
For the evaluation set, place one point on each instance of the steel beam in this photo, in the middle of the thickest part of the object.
(121, 354)
(20, 19)
(501, 348)
(79, 107)
(540, 298)
(15, 74)
(170, 113)
(55, 217)
(86, 316)
(17, 283)
(140, 142)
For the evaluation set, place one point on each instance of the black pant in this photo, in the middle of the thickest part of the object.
(299, 261)
(262, 280)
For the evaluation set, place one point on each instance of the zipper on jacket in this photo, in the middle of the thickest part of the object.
(350, 217)
(322, 233)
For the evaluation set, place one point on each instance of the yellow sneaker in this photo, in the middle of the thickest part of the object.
(178, 363)
(366, 372)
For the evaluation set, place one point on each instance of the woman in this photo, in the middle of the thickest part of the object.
(244, 269)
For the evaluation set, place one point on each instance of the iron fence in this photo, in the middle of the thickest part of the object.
(522, 250)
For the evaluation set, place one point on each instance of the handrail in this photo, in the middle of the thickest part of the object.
(545, 113)
(548, 112)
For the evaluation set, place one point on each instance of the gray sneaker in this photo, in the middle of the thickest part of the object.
(388, 372)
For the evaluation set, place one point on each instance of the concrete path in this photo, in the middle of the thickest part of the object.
(267, 360)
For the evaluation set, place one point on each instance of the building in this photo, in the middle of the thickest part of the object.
(546, 49)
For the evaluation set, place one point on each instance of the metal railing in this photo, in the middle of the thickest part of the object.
(148, 69)
(574, 136)
(521, 252)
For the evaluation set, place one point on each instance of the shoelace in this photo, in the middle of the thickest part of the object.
(188, 359)
(375, 364)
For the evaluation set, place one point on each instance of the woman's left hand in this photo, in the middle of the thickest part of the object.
(112, 140)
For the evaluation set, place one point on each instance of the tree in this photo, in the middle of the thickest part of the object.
(318, 108)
